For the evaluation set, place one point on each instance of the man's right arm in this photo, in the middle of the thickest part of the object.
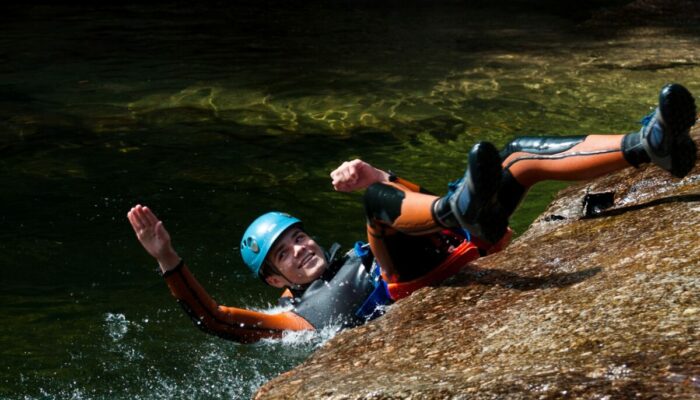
(228, 322)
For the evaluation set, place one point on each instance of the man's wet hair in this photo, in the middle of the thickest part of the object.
(266, 270)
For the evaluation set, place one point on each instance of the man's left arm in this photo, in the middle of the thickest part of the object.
(358, 175)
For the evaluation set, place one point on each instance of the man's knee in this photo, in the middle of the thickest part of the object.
(541, 145)
(383, 202)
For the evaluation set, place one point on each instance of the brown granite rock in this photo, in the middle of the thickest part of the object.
(601, 307)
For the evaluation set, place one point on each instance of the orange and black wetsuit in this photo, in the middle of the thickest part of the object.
(231, 323)
(528, 160)
(406, 240)
(401, 216)
(349, 293)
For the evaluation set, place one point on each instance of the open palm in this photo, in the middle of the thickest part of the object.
(152, 234)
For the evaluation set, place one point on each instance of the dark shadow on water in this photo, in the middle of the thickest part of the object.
(511, 280)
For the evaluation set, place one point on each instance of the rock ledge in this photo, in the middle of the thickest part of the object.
(603, 307)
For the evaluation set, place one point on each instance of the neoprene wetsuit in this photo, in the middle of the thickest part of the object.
(401, 225)
(348, 293)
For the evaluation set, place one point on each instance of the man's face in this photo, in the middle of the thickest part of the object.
(297, 257)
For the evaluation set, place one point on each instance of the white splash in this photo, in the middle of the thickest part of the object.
(116, 325)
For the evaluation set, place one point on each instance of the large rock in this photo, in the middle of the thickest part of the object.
(601, 307)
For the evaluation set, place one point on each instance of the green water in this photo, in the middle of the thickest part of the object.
(214, 114)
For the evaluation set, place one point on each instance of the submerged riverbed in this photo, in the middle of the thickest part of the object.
(214, 114)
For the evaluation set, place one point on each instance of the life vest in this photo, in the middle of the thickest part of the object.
(353, 292)
(339, 297)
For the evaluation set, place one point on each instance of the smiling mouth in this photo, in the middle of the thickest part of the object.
(305, 260)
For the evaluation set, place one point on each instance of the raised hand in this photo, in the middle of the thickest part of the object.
(153, 236)
(356, 175)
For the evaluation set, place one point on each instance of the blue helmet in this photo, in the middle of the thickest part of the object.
(261, 235)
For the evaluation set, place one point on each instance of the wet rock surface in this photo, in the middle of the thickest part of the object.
(605, 306)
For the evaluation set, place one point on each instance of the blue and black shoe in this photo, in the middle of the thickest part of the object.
(463, 206)
(665, 134)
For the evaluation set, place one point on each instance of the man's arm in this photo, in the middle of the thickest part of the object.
(153, 237)
(228, 322)
(357, 175)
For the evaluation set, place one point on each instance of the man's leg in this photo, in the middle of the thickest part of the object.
(495, 183)
(402, 231)
(528, 160)
(485, 199)
(663, 139)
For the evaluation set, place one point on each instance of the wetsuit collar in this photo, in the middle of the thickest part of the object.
(332, 252)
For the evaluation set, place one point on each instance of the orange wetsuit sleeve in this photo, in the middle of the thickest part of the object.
(230, 323)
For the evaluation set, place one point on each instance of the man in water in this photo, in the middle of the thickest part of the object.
(414, 236)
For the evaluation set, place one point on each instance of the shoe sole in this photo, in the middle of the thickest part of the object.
(678, 114)
(493, 222)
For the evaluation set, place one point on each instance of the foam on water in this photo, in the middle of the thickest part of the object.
(206, 367)
(306, 338)
(116, 326)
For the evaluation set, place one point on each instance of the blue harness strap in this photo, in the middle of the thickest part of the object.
(363, 251)
(373, 305)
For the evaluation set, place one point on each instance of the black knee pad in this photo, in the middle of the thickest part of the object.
(540, 145)
(383, 202)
